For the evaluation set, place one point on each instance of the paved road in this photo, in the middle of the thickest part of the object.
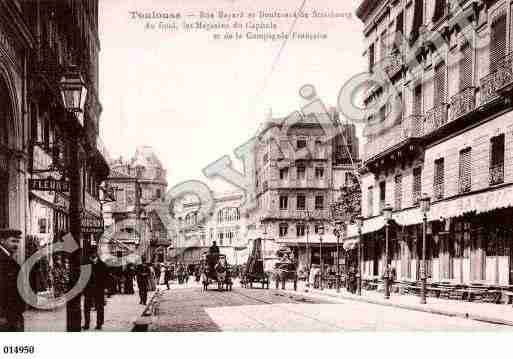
(191, 310)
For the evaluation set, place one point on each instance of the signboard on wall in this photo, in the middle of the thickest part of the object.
(92, 224)
(48, 184)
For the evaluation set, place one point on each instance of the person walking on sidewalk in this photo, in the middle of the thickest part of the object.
(143, 278)
(167, 276)
(12, 305)
(94, 292)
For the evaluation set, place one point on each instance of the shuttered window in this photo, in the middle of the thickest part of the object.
(466, 72)
(398, 192)
(417, 185)
(440, 9)
(383, 46)
(417, 100)
(372, 60)
(439, 85)
(370, 201)
(382, 195)
(497, 160)
(465, 174)
(497, 41)
(418, 19)
(438, 180)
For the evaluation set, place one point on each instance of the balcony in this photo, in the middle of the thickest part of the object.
(497, 174)
(497, 81)
(393, 64)
(294, 214)
(462, 103)
(393, 136)
(434, 119)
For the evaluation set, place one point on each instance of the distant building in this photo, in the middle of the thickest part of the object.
(225, 224)
(295, 194)
(137, 183)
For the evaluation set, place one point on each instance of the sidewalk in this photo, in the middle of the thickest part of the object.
(121, 312)
(484, 312)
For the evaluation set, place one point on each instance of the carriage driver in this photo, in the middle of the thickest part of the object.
(214, 249)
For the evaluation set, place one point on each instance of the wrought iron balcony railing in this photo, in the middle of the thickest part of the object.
(393, 63)
(492, 83)
(434, 119)
(497, 174)
(462, 103)
(438, 191)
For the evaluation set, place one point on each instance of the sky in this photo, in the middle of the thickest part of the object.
(195, 99)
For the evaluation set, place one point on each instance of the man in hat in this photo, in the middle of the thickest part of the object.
(12, 305)
(94, 292)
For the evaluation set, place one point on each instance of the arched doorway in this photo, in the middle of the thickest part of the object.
(5, 120)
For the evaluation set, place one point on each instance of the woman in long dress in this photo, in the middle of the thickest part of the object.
(162, 278)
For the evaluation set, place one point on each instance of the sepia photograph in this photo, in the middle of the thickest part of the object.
(237, 166)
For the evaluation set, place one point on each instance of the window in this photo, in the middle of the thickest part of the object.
(301, 144)
(370, 201)
(301, 202)
(440, 10)
(439, 94)
(383, 46)
(301, 172)
(42, 225)
(399, 28)
(418, 19)
(372, 60)
(266, 158)
(300, 230)
(318, 228)
(438, 180)
(284, 229)
(319, 172)
(497, 160)
(398, 191)
(382, 195)
(284, 202)
(466, 67)
(284, 173)
(417, 185)
(465, 175)
(158, 193)
(265, 186)
(319, 202)
(497, 41)
(383, 113)
(417, 100)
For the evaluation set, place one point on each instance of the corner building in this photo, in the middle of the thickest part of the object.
(453, 139)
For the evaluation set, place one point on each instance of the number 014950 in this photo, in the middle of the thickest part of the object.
(18, 349)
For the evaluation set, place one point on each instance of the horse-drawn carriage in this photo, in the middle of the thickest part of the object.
(215, 269)
(286, 268)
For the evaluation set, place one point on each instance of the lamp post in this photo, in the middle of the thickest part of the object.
(308, 255)
(320, 230)
(337, 234)
(387, 213)
(359, 224)
(264, 233)
(425, 204)
(74, 92)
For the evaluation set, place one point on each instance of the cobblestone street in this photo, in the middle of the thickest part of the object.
(190, 309)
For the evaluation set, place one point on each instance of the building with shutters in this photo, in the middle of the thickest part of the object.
(139, 184)
(451, 137)
(298, 177)
(225, 224)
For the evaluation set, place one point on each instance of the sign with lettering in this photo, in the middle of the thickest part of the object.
(92, 224)
(48, 184)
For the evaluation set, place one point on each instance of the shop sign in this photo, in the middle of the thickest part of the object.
(92, 224)
(48, 184)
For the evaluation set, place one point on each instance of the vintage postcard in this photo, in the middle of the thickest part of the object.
(286, 166)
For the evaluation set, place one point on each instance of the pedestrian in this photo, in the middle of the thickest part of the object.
(94, 292)
(167, 276)
(143, 278)
(129, 282)
(12, 305)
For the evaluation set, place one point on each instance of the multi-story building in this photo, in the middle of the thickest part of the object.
(295, 192)
(41, 41)
(453, 139)
(225, 225)
(137, 183)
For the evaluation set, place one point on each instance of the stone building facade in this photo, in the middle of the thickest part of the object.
(295, 192)
(137, 184)
(451, 138)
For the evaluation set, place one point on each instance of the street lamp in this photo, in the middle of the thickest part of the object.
(264, 233)
(320, 231)
(425, 206)
(387, 213)
(359, 224)
(338, 232)
(74, 92)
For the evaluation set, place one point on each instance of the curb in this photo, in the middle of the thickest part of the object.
(145, 320)
(463, 315)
